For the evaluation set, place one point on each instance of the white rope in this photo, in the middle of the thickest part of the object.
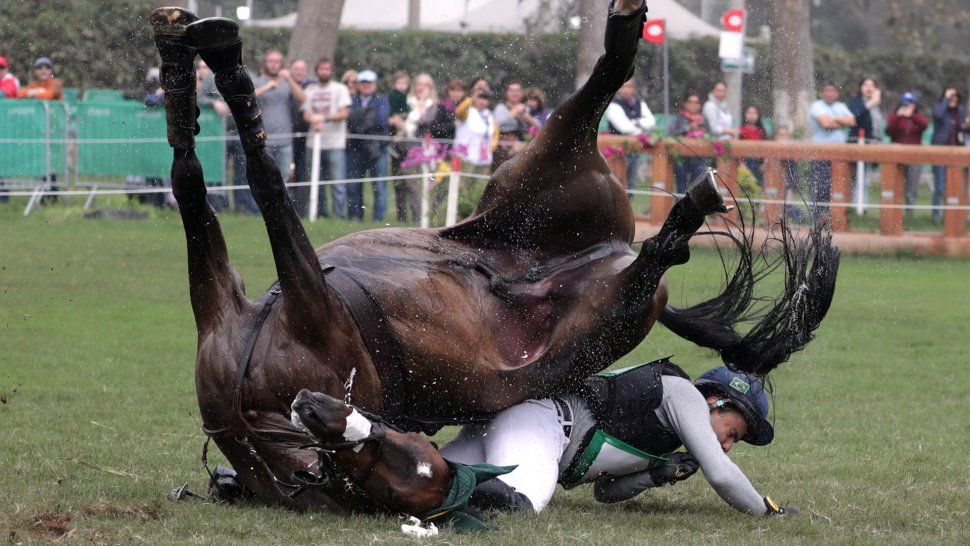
(225, 137)
(211, 189)
(815, 203)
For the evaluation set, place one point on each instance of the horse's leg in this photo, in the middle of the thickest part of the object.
(214, 287)
(301, 277)
(403, 472)
(560, 181)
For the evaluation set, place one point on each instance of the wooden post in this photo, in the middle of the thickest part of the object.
(841, 193)
(663, 179)
(727, 168)
(891, 219)
(955, 221)
(775, 189)
(617, 162)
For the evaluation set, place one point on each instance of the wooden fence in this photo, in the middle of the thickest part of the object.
(891, 157)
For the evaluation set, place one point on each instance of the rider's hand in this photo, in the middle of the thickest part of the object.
(679, 466)
(775, 509)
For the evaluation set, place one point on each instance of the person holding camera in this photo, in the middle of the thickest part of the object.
(906, 126)
(949, 126)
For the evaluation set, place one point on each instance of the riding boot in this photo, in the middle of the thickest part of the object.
(218, 43)
(177, 74)
(497, 495)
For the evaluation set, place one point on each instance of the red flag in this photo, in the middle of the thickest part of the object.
(733, 20)
(654, 31)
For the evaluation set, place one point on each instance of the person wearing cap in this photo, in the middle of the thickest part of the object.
(906, 126)
(9, 84)
(369, 116)
(44, 85)
(620, 432)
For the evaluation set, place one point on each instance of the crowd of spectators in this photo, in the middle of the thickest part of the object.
(364, 133)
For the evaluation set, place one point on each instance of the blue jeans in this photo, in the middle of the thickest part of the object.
(633, 162)
(687, 169)
(243, 199)
(282, 153)
(820, 183)
(333, 166)
(939, 191)
(359, 165)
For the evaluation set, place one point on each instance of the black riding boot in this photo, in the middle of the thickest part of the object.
(495, 494)
(177, 74)
(218, 43)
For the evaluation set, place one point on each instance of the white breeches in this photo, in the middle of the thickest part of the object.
(529, 435)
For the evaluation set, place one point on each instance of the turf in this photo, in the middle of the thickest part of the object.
(99, 419)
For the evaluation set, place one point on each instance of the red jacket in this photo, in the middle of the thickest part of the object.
(906, 130)
(751, 132)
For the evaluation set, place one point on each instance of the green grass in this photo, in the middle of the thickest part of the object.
(96, 366)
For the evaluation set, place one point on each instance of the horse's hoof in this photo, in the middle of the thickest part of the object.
(171, 21)
(704, 195)
(319, 415)
(213, 32)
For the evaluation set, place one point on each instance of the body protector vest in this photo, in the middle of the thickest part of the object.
(631, 109)
(628, 436)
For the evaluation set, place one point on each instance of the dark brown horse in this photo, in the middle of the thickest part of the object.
(538, 289)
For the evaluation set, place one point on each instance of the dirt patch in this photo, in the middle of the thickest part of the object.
(141, 513)
(51, 523)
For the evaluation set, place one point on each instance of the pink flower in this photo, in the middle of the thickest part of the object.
(720, 148)
(607, 152)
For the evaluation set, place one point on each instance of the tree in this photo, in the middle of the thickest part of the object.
(792, 63)
(592, 32)
(316, 31)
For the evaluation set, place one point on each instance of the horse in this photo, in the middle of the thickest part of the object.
(535, 291)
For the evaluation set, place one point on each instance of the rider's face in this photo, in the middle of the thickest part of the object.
(729, 426)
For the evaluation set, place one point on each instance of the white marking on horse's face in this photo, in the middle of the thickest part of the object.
(424, 469)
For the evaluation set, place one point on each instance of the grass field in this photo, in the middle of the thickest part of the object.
(99, 418)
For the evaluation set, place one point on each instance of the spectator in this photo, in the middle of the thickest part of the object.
(422, 102)
(906, 126)
(369, 117)
(513, 121)
(326, 109)
(300, 194)
(829, 119)
(717, 113)
(474, 141)
(949, 123)
(689, 123)
(628, 115)
(154, 94)
(9, 84)
(398, 99)
(445, 119)
(277, 91)
(44, 85)
(753, 129)
(349, 79)
(866, 106)
(535, 105)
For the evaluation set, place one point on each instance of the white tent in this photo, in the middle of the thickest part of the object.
(481, 16)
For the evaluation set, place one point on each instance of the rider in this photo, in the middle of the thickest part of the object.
(620, 431)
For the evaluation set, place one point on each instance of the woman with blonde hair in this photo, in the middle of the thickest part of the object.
(422, 101)
(349, 79)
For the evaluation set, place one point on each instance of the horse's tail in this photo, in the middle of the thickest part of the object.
(782, 325)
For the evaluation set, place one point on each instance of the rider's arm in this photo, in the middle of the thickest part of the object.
(688, 416)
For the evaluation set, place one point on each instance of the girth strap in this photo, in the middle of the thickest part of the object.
(378, 339)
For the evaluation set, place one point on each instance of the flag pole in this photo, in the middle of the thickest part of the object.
(666, 78)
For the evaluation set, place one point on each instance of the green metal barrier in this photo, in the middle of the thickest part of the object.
(103, 95)
(129, 126)
(72, 95)
(38, 122)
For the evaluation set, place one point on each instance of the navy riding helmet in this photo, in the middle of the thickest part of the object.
(747, 395)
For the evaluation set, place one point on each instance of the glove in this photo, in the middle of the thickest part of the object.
(679, 466)
(775, 509)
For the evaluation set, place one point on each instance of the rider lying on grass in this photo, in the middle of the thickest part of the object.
(620, 432)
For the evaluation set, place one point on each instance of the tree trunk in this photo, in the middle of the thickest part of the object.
(316, 31)
(592, 32)
(792, 64)
(414, 14)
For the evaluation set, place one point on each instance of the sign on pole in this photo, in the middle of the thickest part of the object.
(732, 37)
(744, 64)
(655, 32)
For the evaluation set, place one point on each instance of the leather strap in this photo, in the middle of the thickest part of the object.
(378, 339)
